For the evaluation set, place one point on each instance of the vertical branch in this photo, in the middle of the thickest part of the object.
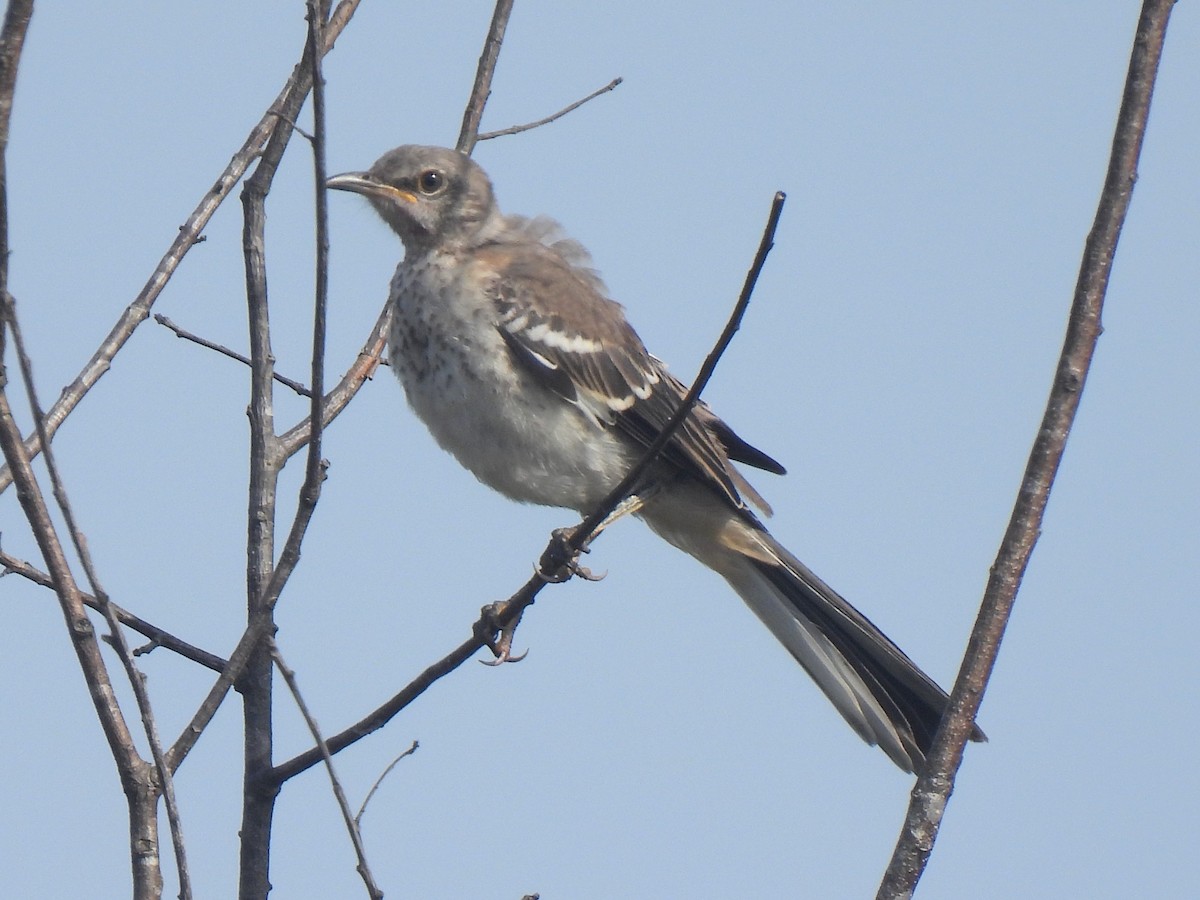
(264, 580)
(12, 39)
(258, 805)
(482, 88)
(136, 777)
(255, 680)
(313, 473)
(933, 787)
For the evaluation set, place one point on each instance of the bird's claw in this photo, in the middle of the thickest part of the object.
(501, 644)
(567, 571)
(503, 655)
(587, 574)
(560, 562)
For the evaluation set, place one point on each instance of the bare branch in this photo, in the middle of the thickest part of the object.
(379, 781)
(264, 580)
(517, 129)
(314, 471)
(933, 787)
(482, 88)
(225, 351)
(134, 772)
(140, 791)
(296, 437)
(630, 481)
(12, 41)
(147, 853)
(158, 636)
(384, 714)
(557, 553)
(339, 794)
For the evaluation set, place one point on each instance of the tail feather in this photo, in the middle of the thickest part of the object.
(883, 695)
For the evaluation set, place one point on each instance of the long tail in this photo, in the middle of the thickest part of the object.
(884, 696)
(882, 693)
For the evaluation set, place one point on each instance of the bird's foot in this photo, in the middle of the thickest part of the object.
(560, 562)
(498, 635)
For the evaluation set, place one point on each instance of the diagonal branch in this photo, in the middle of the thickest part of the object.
(186, 335)
(482, 88)
(296, 437)
(379, 781)
(933, 787)
(529, 126)
(158, 636)
(132, 768)
(136, 777)
(339, 794)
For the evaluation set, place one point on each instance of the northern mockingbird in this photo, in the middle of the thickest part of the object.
(514, 356)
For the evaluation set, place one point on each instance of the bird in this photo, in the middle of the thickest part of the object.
(511, 351)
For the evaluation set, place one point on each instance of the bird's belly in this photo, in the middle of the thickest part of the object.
(511, 432)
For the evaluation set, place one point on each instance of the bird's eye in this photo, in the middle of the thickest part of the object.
(431, 181)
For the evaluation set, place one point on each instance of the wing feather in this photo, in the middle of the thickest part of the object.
(560, 326)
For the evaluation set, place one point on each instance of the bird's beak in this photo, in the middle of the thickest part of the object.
(364, 183)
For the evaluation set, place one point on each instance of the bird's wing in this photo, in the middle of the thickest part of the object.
(561, 328)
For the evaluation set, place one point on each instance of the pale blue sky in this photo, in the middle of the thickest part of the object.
(942, 163)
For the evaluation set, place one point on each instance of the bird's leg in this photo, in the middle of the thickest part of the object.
(627, 507)
(561, 561)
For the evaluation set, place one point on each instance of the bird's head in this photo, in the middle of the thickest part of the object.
(429, 195)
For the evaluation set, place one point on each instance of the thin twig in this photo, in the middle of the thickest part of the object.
(557, 552)
(351, 820)
(261, 624)
(482, 89)
(933, 787)
(158, 637)
(296, 437)
(134, 771)
(629, 482)
(517, 129)
(225, 351)
(378, 781)
(385, 713)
